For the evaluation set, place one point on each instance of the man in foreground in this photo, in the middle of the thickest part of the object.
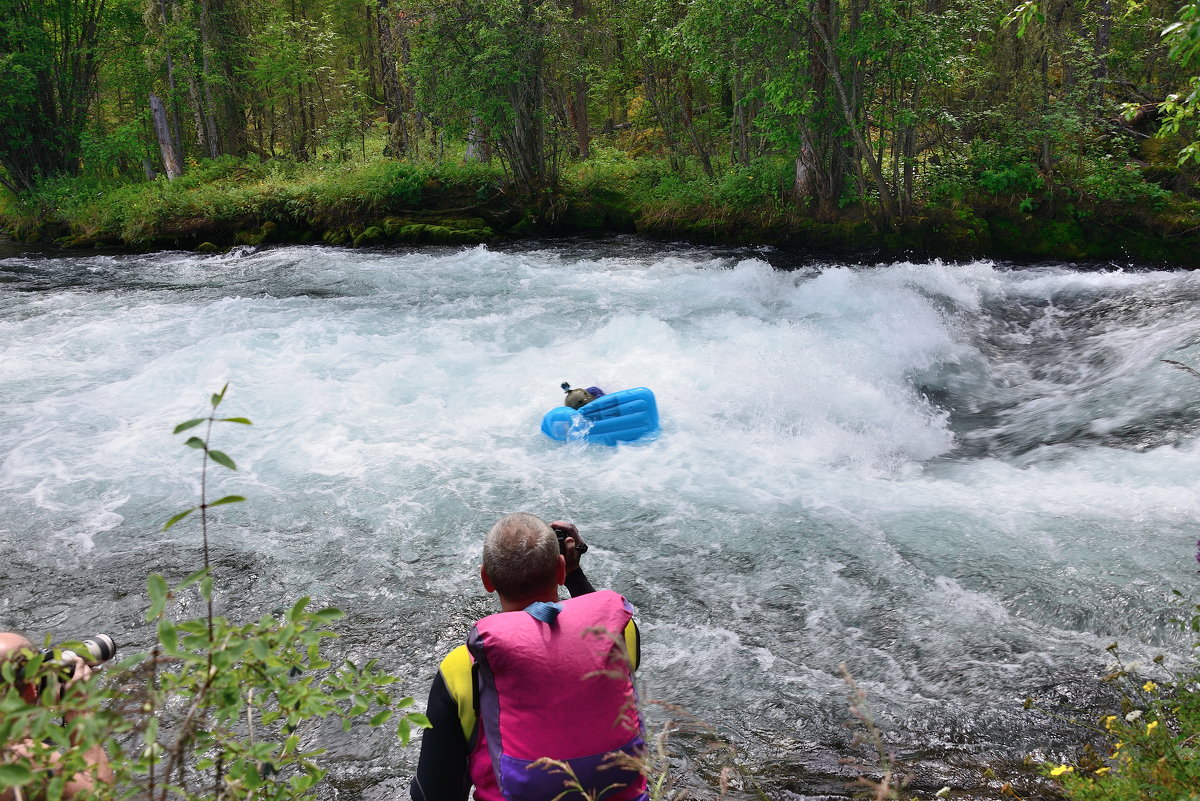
(15, 649)
(541, 697)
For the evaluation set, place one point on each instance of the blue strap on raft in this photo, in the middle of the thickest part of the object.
(626, 415)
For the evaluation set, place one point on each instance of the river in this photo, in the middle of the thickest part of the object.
(963, 481)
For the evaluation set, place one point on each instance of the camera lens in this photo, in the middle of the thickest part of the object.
(101, 647)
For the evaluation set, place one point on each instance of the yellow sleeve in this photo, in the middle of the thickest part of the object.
(456, 672)
(632, 644)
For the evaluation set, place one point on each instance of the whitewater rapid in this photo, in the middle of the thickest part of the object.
(962, 481)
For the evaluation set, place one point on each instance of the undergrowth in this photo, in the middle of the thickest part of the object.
(231, 190)
(1148, 747)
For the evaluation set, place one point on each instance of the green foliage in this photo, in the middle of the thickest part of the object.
(50, 748)
(1181, 109)
(481, 68)
(227, 190)
(1107, 180)
(1152, 742)
(48, 64)
(761, 183)
(1003, 170)
(218, 709)
(235, 701)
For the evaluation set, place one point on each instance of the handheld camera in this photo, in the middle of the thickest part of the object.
(562, 533)
(97, 649)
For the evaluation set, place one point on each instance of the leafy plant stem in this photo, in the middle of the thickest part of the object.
(204, 517)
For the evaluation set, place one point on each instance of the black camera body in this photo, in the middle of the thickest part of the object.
(562, 534)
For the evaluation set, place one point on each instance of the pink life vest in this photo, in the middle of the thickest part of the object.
(559, 689)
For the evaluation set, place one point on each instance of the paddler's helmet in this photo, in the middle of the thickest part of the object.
(576, 397)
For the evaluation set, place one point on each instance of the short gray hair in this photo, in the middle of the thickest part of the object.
(520, 555)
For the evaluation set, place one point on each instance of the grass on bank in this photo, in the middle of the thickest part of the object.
(987, 200)
(230, 190)
(322, 193)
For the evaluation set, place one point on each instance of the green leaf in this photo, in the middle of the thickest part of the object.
(260, 649)
(206, 588)
(241, 420)
(329, 614)
(15, 775)
(177, 518)
(216, 399)
(298, 609)
(151, 732)
(195, 442)
(419, 720)
(220, 458)
(404, 731)
(381, 717)
(189, 424)
(192, 579)
(227, 499)
(156, 588)
(168, 636)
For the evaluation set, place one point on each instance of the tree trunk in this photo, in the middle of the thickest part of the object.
(689, 124)
(579, 100)
(209, 109)
(863, 147)
(479, 147)
(176, 127)
(806, 186)
(226, 39)
(202, 140)
(650, 84)
(393, 98)
(172, 162)
(1103, 39)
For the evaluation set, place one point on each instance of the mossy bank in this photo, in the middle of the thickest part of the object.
(227, 203)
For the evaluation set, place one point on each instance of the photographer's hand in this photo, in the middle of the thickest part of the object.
(573, 544)
(81, 673)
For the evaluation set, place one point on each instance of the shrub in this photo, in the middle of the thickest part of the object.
(1112, 181)
(217, 710)
(1152, 743)
(1004, 170)
(759, 184)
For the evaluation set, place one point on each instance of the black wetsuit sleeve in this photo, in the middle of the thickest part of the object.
(442, 769)
(577, 583)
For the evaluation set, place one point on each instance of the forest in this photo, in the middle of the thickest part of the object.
(964, 116)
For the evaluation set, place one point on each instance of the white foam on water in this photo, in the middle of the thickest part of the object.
(962, 480)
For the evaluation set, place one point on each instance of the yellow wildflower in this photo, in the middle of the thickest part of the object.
(1151, 726)
(1149, 686)
(1103, 770)
(1109, 721)
(1061, 769)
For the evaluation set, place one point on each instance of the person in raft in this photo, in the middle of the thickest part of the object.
(580, 397)
(541, 680)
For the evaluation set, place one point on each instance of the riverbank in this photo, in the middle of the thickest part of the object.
(227, 203)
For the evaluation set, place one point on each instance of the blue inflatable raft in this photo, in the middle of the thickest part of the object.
(627, 415)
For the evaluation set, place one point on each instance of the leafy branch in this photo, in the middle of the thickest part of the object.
(220, 457)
